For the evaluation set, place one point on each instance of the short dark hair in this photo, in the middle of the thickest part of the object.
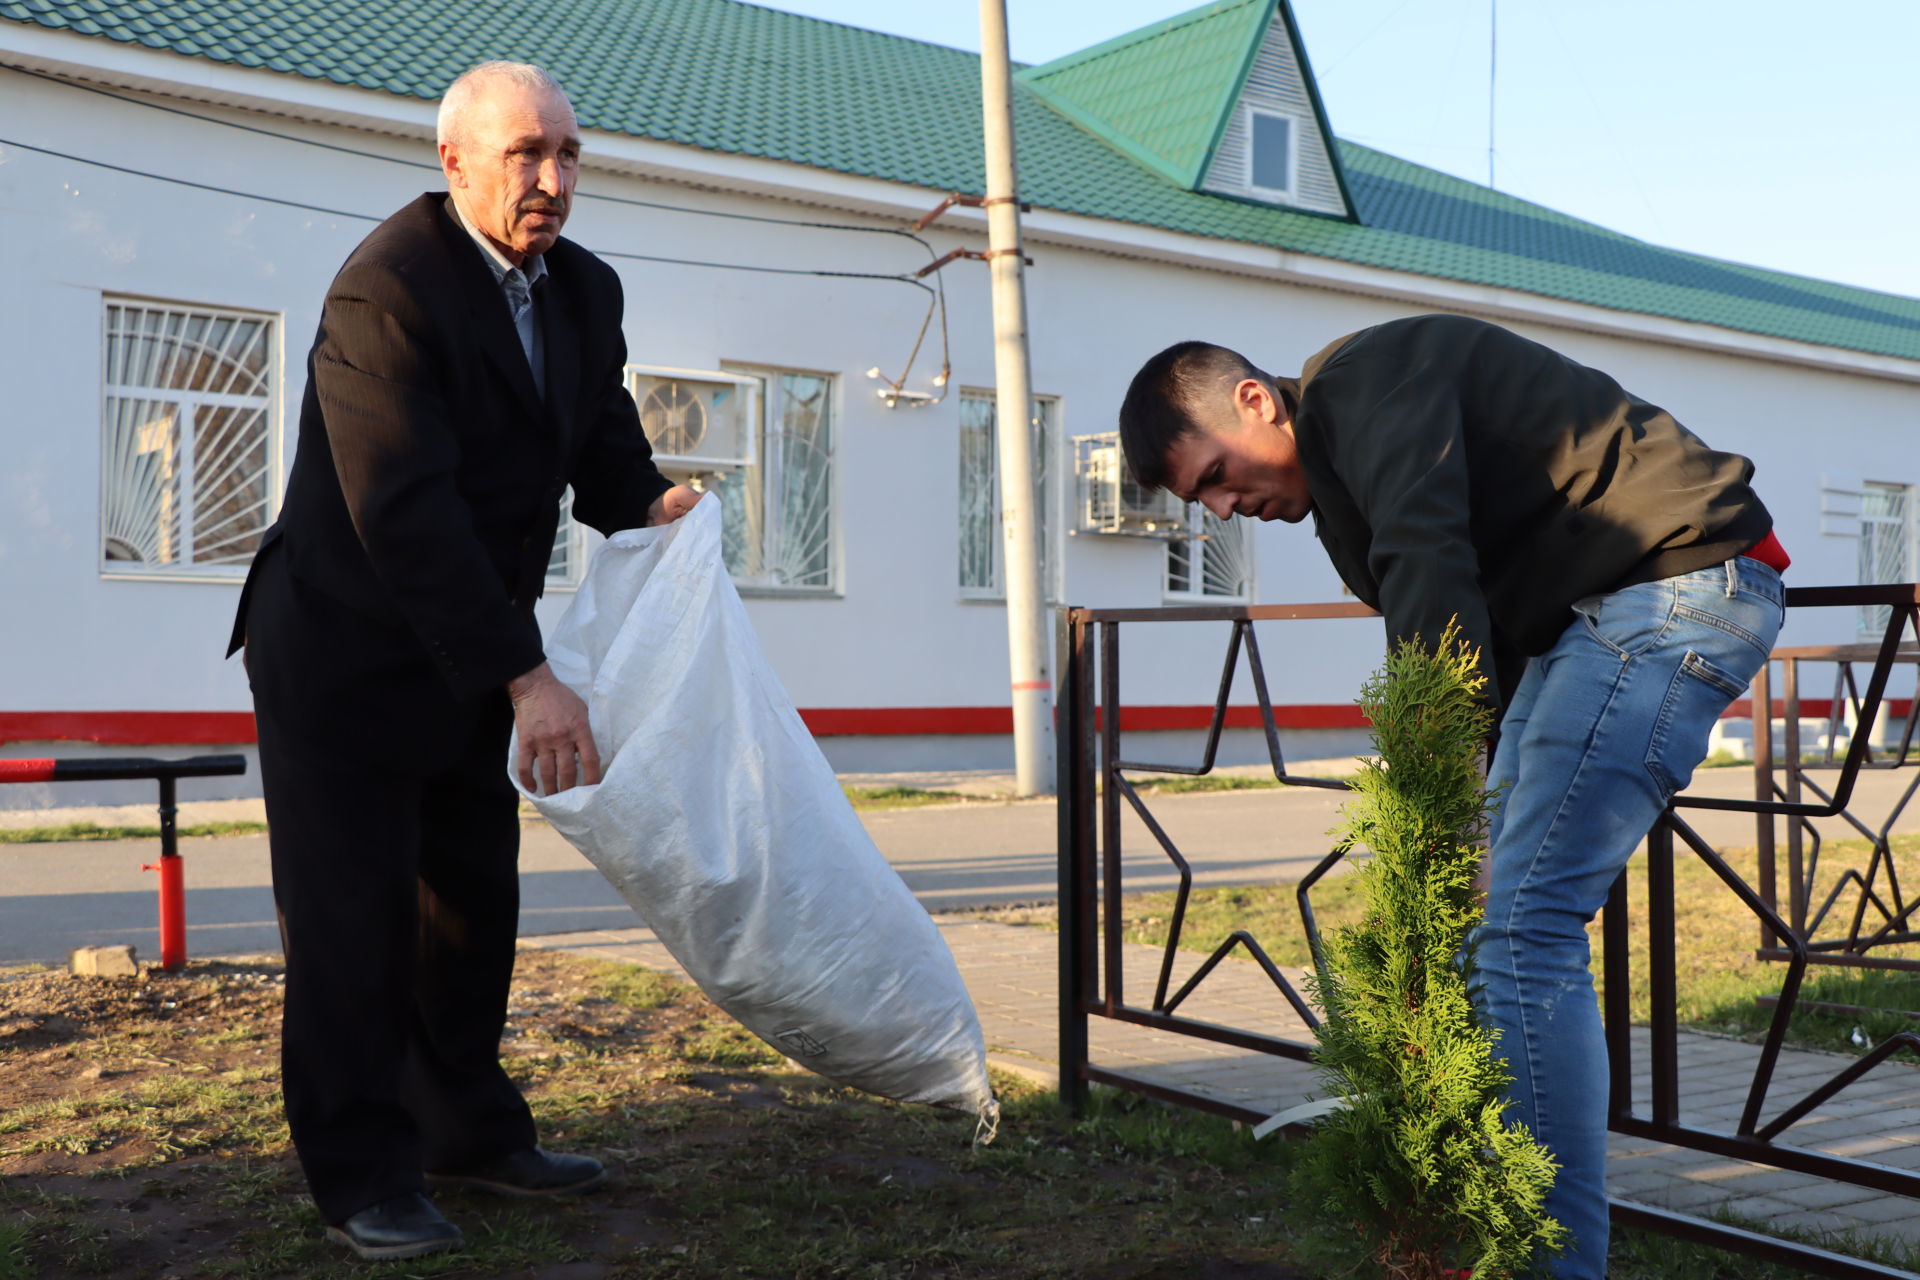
(1165, 397)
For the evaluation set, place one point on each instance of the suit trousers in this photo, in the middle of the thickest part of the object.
(398, 898)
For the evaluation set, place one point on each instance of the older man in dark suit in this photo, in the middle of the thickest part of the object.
(468, 368)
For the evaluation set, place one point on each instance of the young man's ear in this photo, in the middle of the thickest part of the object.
(1253, 402)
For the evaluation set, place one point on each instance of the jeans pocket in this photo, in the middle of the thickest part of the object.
(1699, 692)
(1630, 621)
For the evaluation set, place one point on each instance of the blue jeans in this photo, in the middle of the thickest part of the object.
(1603, 729)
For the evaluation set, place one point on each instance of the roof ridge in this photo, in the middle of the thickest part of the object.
(1127, 39)
(854, 26)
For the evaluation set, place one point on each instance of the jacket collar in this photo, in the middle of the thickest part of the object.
(480, 298)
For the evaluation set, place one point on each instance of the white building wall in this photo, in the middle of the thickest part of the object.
(898, 634)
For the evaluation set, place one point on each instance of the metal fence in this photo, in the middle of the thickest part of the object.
(1841, 919)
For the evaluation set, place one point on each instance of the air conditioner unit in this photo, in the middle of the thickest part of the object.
(695, 420)
(1111, 501)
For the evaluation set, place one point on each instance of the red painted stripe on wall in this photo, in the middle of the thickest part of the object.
(1813, 708)
(128, 728)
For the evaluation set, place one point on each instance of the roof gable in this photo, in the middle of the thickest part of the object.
(1160, 94)
(1181, 98)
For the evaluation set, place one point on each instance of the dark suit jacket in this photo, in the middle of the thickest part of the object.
(1458, 469)
(424, 496)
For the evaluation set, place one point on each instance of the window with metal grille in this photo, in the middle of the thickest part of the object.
(982, 548)
(1887, 544)
(569, 554)
(189, 470)
(779, 512)
(1214, 563)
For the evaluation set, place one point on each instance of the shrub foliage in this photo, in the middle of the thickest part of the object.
(1420, 1169)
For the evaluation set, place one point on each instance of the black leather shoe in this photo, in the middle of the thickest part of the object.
(403, 1227)
(533, 1172)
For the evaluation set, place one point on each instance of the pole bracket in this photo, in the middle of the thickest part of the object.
(969, 202)
(952, 255)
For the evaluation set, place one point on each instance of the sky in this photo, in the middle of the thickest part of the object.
(1784, 135)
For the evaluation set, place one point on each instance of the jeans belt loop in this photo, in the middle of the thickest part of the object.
(1733, 576)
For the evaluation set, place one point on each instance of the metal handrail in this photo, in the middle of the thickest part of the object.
(167, 773)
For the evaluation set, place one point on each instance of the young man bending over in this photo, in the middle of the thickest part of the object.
(1619, 577)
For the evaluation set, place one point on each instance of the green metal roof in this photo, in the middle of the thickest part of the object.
(733, 77)
(1160, 93)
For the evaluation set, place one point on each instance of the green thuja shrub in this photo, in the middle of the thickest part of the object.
(1420, 1173)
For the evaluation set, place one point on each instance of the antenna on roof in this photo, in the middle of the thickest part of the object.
(1493, 63)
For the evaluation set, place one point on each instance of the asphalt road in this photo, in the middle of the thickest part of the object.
(54, 897)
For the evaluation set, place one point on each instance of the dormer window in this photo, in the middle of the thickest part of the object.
(1218, 100)
(1270, 154)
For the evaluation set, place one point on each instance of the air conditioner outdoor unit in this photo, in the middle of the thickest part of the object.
(1111, 501)
(695, 420)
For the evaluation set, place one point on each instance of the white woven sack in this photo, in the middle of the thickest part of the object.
(720, 822)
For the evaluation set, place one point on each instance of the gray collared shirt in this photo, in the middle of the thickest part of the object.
(518, 286)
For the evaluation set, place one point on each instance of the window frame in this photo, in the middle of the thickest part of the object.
(272, 407)
(1197, 517)
(1288, 192)
(1052, 530)
(770, 402)
(1873, 619)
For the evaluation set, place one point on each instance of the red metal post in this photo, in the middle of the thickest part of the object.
(173, 884)
(173, 910)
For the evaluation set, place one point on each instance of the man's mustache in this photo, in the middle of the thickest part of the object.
(543, 206)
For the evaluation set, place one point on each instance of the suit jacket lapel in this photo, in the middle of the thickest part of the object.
(481, 299)
(560, 337)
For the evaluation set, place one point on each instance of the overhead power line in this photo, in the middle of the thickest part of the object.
(897, 278)
(813, 224)
(936, 303)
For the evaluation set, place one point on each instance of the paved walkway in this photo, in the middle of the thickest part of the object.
(1010, 969)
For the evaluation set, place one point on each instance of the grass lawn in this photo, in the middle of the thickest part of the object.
(864, 798)
(143, 1138)
(94, 831)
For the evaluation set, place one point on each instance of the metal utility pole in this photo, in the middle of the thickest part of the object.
(1027, 632)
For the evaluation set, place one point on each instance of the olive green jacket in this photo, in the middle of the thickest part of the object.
(1460, 470)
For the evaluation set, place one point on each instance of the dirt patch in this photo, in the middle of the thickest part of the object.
(141, 1136)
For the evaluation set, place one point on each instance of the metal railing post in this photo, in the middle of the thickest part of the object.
(1662, 991)
(1074, 731)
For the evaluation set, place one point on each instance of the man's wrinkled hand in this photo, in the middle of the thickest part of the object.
(673, 504)
(555, 739)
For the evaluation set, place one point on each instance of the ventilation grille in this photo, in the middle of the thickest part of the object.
(1111, 501)
(701, 421)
